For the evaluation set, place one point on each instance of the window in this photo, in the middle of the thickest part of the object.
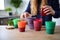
(1, 4)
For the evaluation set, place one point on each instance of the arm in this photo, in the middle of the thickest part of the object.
(55, 6)
(28, 8)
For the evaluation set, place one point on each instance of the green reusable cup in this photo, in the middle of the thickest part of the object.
(50, 27)
(15, 21)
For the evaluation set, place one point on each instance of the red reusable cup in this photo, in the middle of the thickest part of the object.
(37, 24)
(42, 12)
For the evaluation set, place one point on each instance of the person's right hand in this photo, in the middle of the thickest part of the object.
(25, 15)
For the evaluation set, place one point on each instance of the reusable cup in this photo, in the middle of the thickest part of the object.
(42, 12)
(37, 24)
(50, 27)
(30, 22)
(15, 21)
(21, 26)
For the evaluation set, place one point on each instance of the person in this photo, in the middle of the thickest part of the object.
(51, 10)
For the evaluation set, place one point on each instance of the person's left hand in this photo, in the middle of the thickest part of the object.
(48, 10)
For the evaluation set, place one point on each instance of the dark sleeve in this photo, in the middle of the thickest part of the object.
(55, 5)
(28, 8)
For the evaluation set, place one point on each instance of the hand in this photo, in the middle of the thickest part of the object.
(48, 10)
(25, 15)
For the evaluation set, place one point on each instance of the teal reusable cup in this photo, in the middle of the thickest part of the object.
(50, 27)
(15, 21)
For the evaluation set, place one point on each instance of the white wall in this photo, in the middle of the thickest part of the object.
(21, 9)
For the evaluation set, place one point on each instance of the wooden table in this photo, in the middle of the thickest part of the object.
(14, 34)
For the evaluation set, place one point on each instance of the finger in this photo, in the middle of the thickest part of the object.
(23, 16)
(47, 11)
(27, 15)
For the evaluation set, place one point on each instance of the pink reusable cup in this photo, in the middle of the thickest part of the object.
(37, 24)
